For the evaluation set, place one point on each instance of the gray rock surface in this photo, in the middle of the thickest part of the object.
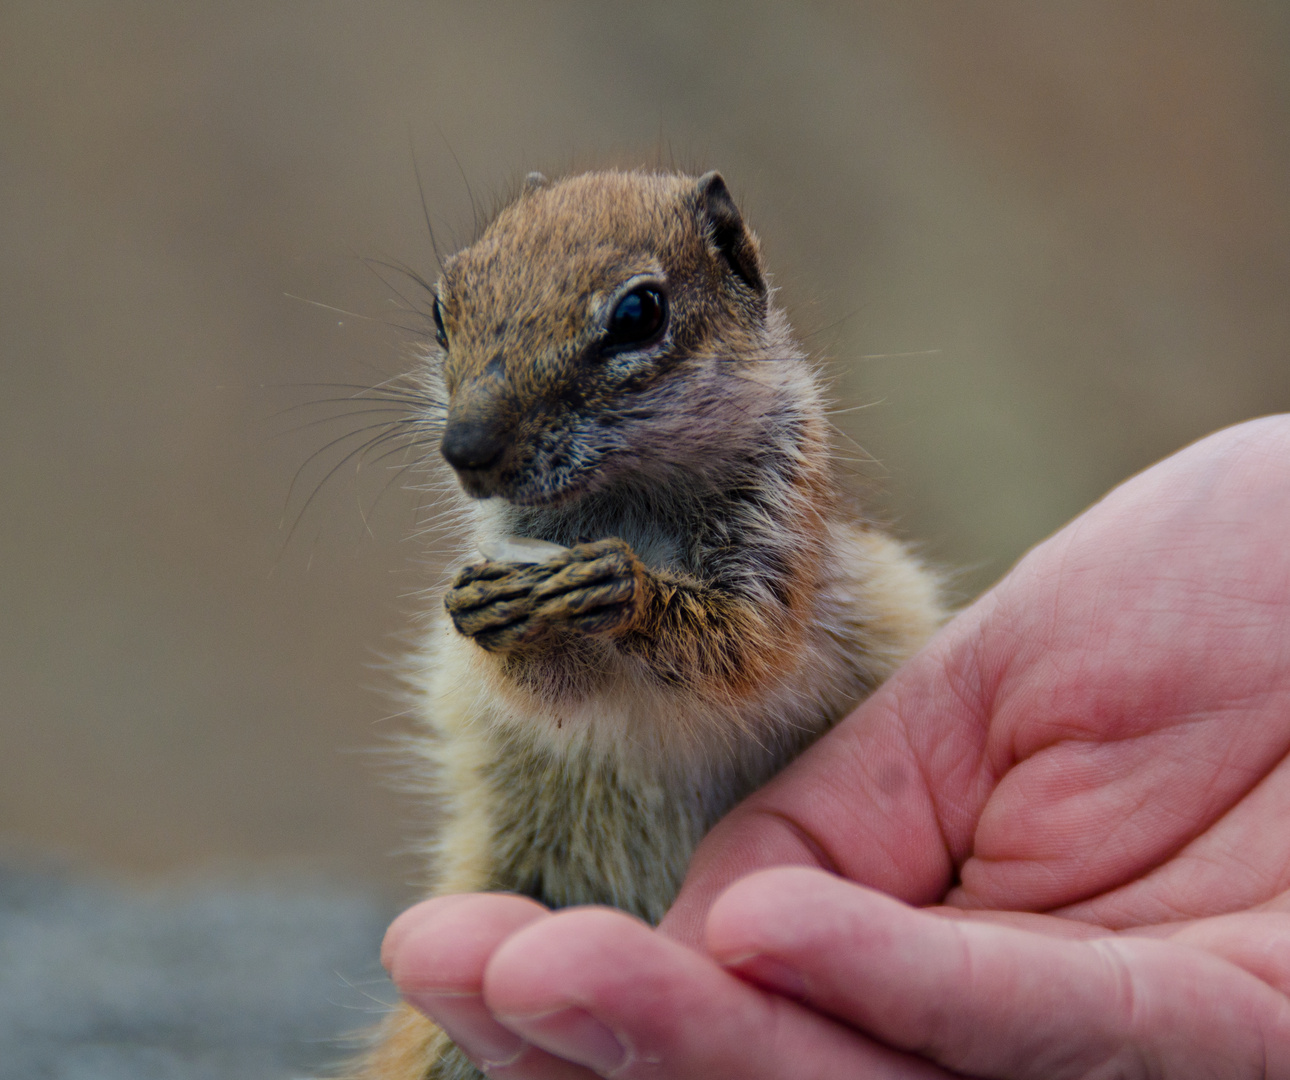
(204, 980)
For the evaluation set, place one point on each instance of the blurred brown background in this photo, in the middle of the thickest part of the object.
(1047, 243)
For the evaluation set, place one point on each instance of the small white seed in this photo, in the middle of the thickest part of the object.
(520, 549)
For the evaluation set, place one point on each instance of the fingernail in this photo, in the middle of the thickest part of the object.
(576, 1035)
(466, 1020)
(769, 972)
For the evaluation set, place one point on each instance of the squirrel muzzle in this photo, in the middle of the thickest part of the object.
(479, 439)
(475, 440)
(472, 445)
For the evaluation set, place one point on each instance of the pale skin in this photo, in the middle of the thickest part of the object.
(1055, 845)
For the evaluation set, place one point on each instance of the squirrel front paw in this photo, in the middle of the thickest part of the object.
(596, 588)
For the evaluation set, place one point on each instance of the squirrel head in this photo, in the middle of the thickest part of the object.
(590, 335)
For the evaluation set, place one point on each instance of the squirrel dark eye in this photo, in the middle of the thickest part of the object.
(638, 317)
(440, 334)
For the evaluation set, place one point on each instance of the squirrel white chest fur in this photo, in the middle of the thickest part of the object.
(612, 377)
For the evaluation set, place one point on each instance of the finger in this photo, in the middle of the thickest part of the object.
(1240, 862)
(477, 593)
(512, 636)
(583, 600)
(595, 986)
(993, 1000)
(1258, 941)
(581, 575)
(492, 616)
(436, 953)
(415, 918)
(484, 571)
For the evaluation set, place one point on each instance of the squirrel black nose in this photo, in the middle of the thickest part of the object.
(470, 444)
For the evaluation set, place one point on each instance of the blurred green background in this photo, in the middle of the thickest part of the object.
(1042, 245)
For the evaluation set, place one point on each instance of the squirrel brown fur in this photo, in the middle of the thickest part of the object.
(612, 376)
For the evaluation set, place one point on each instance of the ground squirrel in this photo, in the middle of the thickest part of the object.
(612, 378)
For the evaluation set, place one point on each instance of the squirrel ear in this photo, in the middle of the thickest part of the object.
(729, 232)
(533, 182)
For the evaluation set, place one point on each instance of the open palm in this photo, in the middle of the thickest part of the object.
(1078, 796)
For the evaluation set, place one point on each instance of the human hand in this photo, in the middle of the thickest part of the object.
(1087, 771)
